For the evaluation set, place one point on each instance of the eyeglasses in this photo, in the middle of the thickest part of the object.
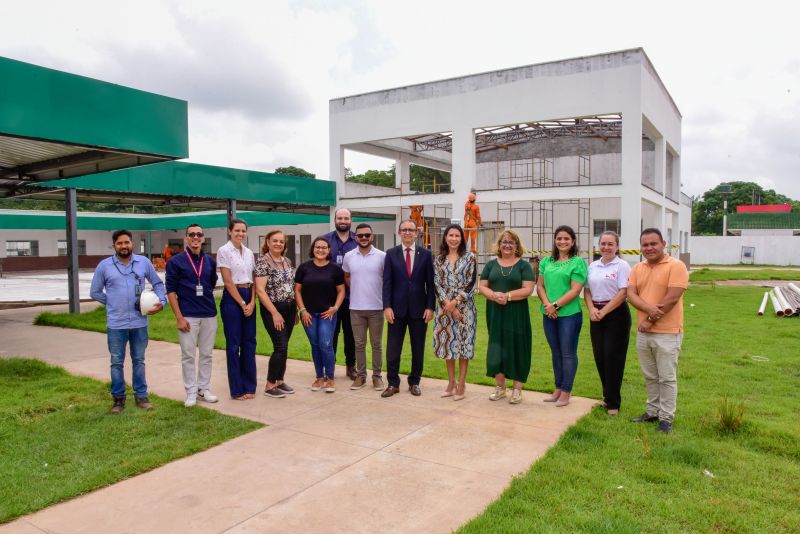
(321, 248)
(407, 230)
(195, 234)
(363, 236)
(508, 243)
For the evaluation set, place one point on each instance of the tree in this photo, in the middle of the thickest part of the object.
(294, 171)
(421, 178)
(707, 210)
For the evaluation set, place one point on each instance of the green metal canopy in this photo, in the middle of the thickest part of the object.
(195, 185)
(44, 220)
(55, 124)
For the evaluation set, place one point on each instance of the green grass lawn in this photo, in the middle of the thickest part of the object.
(609, 475)
(716, 275)
(57, 440)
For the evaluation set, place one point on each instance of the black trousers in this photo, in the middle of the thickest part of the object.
(417, 330)
(343, 324)
(610, 339)
(280, 338)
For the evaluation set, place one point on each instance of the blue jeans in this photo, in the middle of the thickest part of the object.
(562, 336)
(117, 339)
(320, 336)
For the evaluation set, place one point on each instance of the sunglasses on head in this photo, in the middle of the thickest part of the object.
(363, 236)
(195, 234)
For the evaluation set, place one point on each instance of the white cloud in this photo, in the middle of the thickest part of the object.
(258, 75)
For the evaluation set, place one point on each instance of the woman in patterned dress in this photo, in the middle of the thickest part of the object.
(454, 274)
(275, 291)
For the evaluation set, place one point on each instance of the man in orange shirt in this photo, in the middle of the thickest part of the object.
(472, 220)
(655, 288)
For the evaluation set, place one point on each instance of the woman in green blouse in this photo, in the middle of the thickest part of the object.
(507, 282)
(561, 278)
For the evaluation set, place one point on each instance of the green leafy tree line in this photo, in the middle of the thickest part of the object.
(707, 209)
(421, 178)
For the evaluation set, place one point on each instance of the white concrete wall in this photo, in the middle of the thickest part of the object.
(769, 250)
(97, 241)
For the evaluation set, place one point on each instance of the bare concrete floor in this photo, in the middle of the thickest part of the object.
(343, 462)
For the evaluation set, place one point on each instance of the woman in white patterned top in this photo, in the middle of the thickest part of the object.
(275, 290)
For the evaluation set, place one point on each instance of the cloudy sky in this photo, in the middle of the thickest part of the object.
(258, 75)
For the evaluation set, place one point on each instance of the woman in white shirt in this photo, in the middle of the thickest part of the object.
(237, 309)
(610, 326)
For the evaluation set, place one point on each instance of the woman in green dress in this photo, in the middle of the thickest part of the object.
(507, 282)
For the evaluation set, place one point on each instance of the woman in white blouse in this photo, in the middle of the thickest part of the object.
(236, 265)
(610, 326)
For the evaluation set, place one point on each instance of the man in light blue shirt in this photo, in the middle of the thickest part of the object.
(117, 283)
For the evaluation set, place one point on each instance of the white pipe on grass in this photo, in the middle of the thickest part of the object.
(775, 306)
(787, 310)
(794, 288)
(763, 303)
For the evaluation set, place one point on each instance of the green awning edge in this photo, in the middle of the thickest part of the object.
(43, 220)
(178, 178)
(51, 105)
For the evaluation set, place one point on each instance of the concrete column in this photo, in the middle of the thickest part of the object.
(463, 175)
(71, 202)
(631, 168)
(660, 174)
(231, 210)
(337, 169)
(402, 173)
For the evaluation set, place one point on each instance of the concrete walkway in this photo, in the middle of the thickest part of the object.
(343, 462)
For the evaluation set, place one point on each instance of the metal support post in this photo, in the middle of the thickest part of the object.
(231, 210)
(71, 201)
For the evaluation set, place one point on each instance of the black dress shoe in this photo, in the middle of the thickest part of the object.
(645, 418)
(389, 391)
(414, 389)
(665, 427)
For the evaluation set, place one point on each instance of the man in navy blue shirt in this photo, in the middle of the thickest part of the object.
(118, 282)
(191, 278)
(342, 241)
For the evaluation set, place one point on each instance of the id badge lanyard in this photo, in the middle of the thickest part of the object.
(199, 288)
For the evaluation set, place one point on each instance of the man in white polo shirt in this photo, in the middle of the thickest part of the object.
(363, 274)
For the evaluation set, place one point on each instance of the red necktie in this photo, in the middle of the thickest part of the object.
(408, 262)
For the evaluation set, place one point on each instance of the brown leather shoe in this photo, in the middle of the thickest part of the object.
(389, 391)
(144, 403)
(351, 372)
(358, 383)
(414, 389)
(119, 405)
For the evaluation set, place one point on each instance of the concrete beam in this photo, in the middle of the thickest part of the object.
(373, 150)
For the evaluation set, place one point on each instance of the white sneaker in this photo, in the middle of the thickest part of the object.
(207, 396)
(190, 401)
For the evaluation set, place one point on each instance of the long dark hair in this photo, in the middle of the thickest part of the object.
(573, 251)
(444, 249)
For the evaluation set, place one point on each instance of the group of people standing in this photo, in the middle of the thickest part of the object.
(347, 285)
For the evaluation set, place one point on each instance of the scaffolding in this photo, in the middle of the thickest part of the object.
(436, 217)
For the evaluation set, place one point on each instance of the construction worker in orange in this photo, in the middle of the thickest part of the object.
(419, 220)
(472, 220)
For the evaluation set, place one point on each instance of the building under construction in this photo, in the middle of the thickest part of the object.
(592, 142)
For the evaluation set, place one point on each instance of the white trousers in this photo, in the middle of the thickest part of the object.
(200, 338)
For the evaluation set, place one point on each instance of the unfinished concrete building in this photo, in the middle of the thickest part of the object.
(592, 142)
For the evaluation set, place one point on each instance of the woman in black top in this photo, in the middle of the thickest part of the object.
(319, 292)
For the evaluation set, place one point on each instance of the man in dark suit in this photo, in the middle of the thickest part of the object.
(408, 301)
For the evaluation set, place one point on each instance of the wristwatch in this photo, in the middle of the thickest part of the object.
(556, 306)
